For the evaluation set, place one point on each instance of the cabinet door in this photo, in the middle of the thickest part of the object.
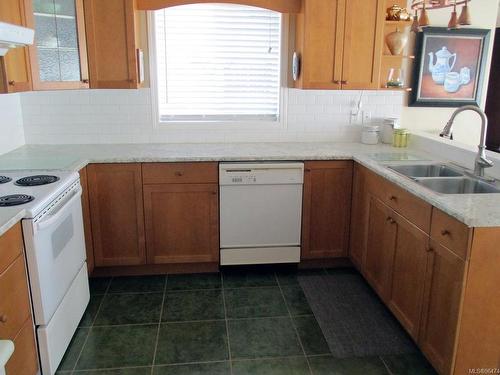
(59, 53)
(117, 216)
(443, 295)
(319, 41)
(359, 218)
(408, 275)
(112, 40)
(24, 360)
(380, 247)
(182, 223)
(15, 68)
(363, 42)
(326, 209)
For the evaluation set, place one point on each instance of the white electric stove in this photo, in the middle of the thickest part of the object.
(55, 254)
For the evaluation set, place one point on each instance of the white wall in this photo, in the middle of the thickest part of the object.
(432, 120)
(125, 116)
(11, 123)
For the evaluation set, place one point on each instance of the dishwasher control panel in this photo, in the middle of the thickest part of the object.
(261, 173)
(244, 179)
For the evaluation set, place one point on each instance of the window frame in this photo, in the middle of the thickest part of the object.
(214, 124)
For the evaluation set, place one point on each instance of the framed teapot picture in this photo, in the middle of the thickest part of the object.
(449, 67)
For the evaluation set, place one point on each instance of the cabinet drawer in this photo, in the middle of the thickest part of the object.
(404, 203)
(414, 209)
(24, 360)
(14, 303)
(180, 173)
(11, 245)
(450, 233)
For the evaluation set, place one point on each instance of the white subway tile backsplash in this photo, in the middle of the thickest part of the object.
(125, 116)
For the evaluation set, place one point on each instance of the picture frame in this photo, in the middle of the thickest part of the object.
(449, 67)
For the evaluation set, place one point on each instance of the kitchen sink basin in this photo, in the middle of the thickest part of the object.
(455, 185)
(426, 170)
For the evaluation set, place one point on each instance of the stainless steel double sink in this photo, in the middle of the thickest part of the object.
(446, 179)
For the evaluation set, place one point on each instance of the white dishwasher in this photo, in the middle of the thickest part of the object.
(260, 212)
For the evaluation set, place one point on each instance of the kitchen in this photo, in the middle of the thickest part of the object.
(263, 187)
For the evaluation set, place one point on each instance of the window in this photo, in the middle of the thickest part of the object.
(217, 62)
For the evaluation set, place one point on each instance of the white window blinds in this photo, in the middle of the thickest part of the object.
(218, 62)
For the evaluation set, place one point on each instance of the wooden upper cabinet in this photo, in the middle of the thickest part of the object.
(15, 68)
(117, 215)
(112, 38)
(59, 53)
(363, 43)
(319, 41)
(340, 43)
(182, 223)
(444, 287)
(408, 274)
(382, 231)
(326, 209)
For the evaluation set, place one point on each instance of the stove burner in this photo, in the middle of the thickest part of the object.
(15, 200)
(5, 179)
(36, 180)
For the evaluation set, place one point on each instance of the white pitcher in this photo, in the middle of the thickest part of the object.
(442, 66)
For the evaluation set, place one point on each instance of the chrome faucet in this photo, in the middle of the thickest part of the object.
(482, 161)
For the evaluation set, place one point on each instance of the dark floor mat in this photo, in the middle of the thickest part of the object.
(353, 319)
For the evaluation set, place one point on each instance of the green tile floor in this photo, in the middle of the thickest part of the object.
(239, 322)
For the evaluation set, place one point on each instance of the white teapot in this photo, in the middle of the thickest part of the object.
(442, 66)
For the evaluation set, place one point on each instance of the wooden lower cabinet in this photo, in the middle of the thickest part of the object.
(443, 297)
(182, 223)
(24, 360)
(117, 214)
(326, 209)
(16, 322)
(359, 217)
(408, 275)
(381, 239)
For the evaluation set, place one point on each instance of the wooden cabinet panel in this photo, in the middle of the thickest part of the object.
(117, 216)
(11, 246)
(319, 41)
(180, 173)
(359, 217)
(87, 226)
(15, 67)
(182, 223)
(340, 43)
(24, 360)
(59, 58)
(112, 40)
(326, 209)
(451, 233)
(444, 286)
(408, 275)
(381, 242)
(363, 42)
(15, 303)
(411, 207)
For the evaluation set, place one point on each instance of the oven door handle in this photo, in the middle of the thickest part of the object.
(57, 215)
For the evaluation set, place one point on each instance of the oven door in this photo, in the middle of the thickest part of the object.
(55, 252)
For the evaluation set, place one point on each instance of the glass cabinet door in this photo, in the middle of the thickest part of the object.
(60, 54)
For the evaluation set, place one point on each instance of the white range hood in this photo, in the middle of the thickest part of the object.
(12, 36)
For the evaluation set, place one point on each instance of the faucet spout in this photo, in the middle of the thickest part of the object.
(482, 160)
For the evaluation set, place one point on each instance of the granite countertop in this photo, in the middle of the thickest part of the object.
(480, 210)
